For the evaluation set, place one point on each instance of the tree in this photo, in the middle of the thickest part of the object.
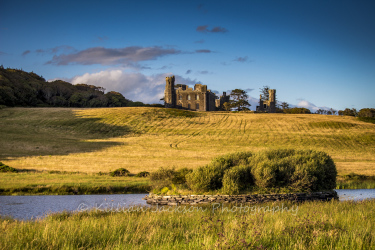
(239, 100)
(264, 94)
(226, 106)
(350, 112)
(366, 112)
(284, 105)
(333, 112)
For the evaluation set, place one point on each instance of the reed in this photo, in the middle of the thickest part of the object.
(310, 225)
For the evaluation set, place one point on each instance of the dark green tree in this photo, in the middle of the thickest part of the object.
(284, 105)
(264, 94)
(239, 100)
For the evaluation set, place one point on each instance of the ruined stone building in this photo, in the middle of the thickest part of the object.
(200, 98)
(268, 105)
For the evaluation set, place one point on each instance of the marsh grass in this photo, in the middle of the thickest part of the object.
(311, 225)
(145, 139)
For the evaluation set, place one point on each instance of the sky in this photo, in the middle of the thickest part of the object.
(316, 54)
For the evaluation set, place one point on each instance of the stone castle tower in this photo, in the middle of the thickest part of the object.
(268, 105)
(170, 93)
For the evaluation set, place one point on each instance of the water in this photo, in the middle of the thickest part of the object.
(32, 207)
(355, 194)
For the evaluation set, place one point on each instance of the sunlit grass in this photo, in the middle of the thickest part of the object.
(31, 183)
(310, 225)
(144, 139)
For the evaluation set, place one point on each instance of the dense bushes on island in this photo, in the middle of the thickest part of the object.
(283, 170)
(20, 88)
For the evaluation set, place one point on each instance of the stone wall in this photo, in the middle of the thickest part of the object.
(175, 200)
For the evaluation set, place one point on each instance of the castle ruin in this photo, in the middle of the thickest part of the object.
(268, 105)
(200, 98)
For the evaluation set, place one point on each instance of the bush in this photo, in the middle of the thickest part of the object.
(237, 179)
(303, 170)
(168, 178)
(210, 177)
(180, 176)
(143, 174)
(283, 169)
(4, 168)
(120, 172)
(162, 174)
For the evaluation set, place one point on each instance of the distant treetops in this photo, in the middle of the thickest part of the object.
(20, 88)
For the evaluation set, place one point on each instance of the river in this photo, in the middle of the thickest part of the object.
(35, 206)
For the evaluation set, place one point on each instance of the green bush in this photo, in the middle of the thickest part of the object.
(143, 174)
(180, 176)
(283, 169)
(210, 177)
(169, 179)
(237, 179)
(120, 172)
(5, 168)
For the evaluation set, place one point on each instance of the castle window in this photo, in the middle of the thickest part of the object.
(188, 97)
(196, 97)
(265, 106)
(188, 106)
(197, 106)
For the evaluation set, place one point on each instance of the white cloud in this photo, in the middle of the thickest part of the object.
(306, 104)
(134, 86)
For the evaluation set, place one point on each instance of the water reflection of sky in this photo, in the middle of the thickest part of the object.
(27, 207)
(355, 194)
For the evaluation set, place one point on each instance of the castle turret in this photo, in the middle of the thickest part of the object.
(170, 93)
(272, 100)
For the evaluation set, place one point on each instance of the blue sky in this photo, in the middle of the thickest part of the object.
(316, 54)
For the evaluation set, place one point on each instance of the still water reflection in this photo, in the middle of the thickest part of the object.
(28, 207)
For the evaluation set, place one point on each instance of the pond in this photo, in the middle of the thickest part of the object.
(29, 207)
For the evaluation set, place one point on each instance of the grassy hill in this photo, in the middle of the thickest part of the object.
(144, 139)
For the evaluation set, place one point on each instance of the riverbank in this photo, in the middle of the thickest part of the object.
(279, 225)
(68, 183)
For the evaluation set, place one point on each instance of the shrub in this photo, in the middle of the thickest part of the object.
(283, 169)
(143, 174)
(5, 168)
(162, 174)
(180, 176)
(120, 172)
(237, 179)
(303, 170)
(210, 177)
(168, 179)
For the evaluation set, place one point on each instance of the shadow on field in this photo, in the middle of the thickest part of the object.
(53, 131)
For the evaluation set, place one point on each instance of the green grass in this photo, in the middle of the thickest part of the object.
(310, 225)
(60, 183)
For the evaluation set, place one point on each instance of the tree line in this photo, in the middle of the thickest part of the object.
(20, 88)
(239, 102)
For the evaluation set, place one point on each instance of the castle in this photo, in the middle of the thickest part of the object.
(268, 105)
(200, 98)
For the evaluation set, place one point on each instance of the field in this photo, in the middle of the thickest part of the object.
(311, 225)
(145, 139)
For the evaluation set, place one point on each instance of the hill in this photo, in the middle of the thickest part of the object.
(144, 139)
(20, 88)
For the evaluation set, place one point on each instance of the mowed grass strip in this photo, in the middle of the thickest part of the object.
(145, 139)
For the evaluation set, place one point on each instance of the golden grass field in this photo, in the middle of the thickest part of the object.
(145, 139)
